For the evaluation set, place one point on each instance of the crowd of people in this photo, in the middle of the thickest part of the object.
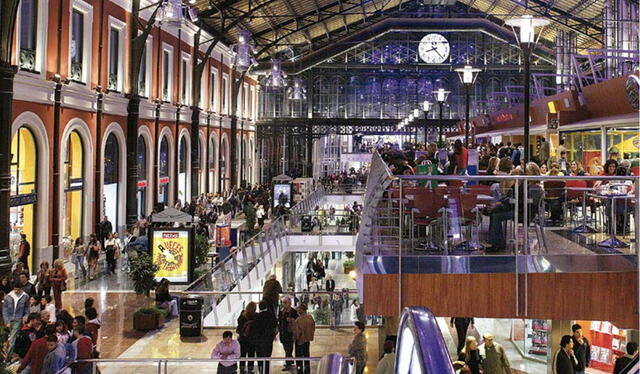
(44, 337)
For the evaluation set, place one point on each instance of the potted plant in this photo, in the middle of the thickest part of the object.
(321, 316)
(348, 265)
(143, 272)
(148, 318)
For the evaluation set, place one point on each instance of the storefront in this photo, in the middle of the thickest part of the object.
(211, 165)
(531, 338)
(163, 172)
(24, 166)
(73, 188)
(183, 170)
(223, 165)
(111, 185)
(142, 176)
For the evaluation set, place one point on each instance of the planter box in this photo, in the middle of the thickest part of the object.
(348, 269)
(146, 322)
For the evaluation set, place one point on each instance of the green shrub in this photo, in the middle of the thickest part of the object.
(349, 263)
(151, 310)
(201, 250)
(142, 273)
(321, 316)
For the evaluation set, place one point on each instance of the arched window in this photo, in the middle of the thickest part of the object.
(24, 166)
(163, 170)
(142, 175)
(73, 187)
(183, 170)
(111, 178)
(211, 165)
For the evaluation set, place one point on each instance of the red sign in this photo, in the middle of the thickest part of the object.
(142, 184)
(170, 235)
(504, 117)
(164, 180)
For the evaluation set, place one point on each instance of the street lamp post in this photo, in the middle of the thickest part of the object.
(441, 96)
(468, 77)
(426, 106)
(527, 38)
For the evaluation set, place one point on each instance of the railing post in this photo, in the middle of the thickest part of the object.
(525, 250)
(400, 250)
(515, 250)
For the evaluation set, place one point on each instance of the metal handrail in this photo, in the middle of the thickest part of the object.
(517, 177)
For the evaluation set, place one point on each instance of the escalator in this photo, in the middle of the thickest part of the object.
(420, 348)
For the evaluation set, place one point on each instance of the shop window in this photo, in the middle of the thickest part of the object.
(73, 188)
(111, 177)
(28, 34)
(183, 172)
(163, 170)
(142, 158)
(114, 39)
(24, 166)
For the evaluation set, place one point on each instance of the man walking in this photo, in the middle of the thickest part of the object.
(263, 332)
(14, 308)
(581, 349)
(227, 349)
(25, 250)
(304, 329)
(285, 328)
(105, 228)
(494, 358)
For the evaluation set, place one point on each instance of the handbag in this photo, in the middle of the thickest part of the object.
(472, 331)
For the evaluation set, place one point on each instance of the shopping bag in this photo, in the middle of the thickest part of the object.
(472, 331)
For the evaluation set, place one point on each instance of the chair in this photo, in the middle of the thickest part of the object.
(425, 212)
(575, 197)
(554, 197)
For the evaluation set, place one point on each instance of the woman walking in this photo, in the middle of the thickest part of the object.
(93, 253)
(59, 280)
(247, 349)
(470, 356)
(358, 348)
(110, 248)
(44, 279)
(77, 258)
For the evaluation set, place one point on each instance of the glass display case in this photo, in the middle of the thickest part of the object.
(531, 337)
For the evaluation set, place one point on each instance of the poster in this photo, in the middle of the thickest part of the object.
(223, 235)
(282, 192)
(171, 252)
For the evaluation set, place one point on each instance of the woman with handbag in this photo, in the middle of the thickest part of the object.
(470, 356)
(93, 253)
(43, 286)
(77, 258)
(59, 280)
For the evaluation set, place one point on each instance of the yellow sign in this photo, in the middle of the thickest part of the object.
(171, 254)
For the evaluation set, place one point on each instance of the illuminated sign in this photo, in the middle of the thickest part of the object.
(171, 252)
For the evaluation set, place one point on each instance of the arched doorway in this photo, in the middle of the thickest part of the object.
(243, 157)
(111, 179)
(223, 165)
(73, 192)
(211, 165)
(251, 155)
(163, 172)
(183, 170)
(142, 175)
(24, 166)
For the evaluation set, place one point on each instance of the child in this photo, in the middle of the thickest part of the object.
(62, 332)
(34, 305)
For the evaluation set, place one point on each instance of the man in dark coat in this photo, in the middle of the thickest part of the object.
(263, 332)
(622, 362)
(461, 324)
(105, 228)
(285, 329)
(581, 349)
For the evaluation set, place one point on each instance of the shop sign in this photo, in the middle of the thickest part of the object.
(553, 124)
(164, 180)
(504, 117)
(170, 250)
(25, 199)
(142, 184)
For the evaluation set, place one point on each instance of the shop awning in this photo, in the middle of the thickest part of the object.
(171, 215)
(621, 120)
(534, 130)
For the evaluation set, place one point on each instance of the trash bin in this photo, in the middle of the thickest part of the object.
(191, 315)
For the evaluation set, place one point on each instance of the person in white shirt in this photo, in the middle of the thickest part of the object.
(387, 363)
(47, 306)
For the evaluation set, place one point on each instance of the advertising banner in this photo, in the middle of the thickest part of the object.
(171, 251)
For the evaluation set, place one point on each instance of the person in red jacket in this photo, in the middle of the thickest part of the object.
(93, 324)
(37, 352)
(83, 348)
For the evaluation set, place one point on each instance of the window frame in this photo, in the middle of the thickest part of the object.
(87, 38)
(119, 27)
(225, 93)
(185, 84)
(214, 88)
(168, 49)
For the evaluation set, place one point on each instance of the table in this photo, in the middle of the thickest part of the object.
(613, 241)
(583, 228)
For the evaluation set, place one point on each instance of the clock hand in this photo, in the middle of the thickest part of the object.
(439, 53)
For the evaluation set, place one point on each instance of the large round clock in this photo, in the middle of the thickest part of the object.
(434, 49)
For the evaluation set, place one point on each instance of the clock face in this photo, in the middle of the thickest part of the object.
(434, 49)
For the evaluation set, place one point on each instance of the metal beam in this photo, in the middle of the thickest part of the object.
(299, 22)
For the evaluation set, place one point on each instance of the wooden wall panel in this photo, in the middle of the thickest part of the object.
(607, 98)
(564, 296)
